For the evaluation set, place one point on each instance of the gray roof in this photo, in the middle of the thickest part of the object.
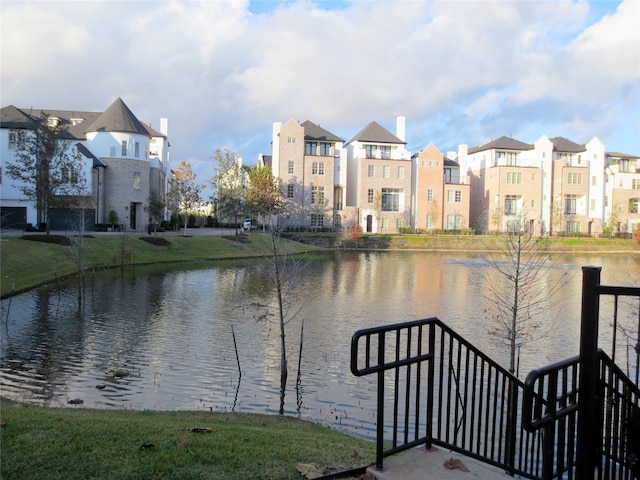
(502, 143)
(12, 117)
(620, 155)
(376, 133)
(561, 144)
(450, 163)
(78, 123)
(316, 132)
(118, 118)
(85, 151)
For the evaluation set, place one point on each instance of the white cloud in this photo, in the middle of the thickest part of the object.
(462, 72)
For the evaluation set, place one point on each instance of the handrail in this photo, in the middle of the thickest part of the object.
(435, 387)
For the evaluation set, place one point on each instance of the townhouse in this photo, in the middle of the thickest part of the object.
(311, 163)
(441, 199)
(124, 161)
(622, 192)
(552, 186)
(379, 178)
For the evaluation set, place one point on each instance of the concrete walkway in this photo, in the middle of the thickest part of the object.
(435, 463)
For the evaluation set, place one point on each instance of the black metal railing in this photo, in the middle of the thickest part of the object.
(586, 407)
(434, 387)
(575, 419)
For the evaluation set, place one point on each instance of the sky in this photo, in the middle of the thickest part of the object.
(461, 72)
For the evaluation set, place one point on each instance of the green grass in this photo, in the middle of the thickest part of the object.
(69, 444)
(26, 264)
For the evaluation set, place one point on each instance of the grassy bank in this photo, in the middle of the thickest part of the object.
(27, 264)
(71, 444)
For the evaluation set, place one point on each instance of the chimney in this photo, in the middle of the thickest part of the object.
(400, 128)
(164, 126)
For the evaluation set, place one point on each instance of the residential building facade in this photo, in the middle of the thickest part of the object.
(124, 161)
(440, 198)
(311, 163)
(379, 178)
(622, 192)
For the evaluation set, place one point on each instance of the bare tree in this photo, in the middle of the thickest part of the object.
(613, 220)
(47, 168)
(377, 208)
(184, 192)
(264, 195)
(520, 291)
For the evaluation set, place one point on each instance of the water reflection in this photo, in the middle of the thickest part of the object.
(163, 339)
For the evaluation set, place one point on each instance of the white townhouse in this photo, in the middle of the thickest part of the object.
(124, 161)
(379, 178)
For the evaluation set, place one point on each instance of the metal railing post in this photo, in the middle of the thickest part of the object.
(588, 453)
(380, 413)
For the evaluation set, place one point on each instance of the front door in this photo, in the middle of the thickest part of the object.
(132, 215)
(369, 223)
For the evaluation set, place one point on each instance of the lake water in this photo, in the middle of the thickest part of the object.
(161, 338)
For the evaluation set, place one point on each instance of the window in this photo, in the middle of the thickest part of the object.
(385, 171)
(624, 165)
(136, 180)
(325, 149)
(514, 178)
(311, 148)
(533, 203)
(574, 178)
(124, 148)
(447, 175)
(69, 175)
(533, 177)
(593, 204)
(510, 205)
(594, 181)
(385, 223)
(370, 171)
(430, 195)
(430, 220)
(454, 222)
(635, 183)
(290, 171)
(370, 195)
(317, 220)
(317, 195)
(634, 205)
(390, 199)
(137, 150)
(291, 139)
(458, 196)
(290, 190)
(317, 168)
(370, 151)
(450, 196)
(113, 152)
(506, 158)
(401, 172)
(385, 152)
(13, 140)
(570, 204)
(573, 227)
(400, 223)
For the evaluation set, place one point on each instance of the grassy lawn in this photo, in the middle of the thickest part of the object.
(41, 443)
(27, 264)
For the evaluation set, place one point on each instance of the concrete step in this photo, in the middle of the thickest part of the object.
(435, 463)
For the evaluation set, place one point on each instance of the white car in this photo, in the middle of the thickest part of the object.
(246, 224)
